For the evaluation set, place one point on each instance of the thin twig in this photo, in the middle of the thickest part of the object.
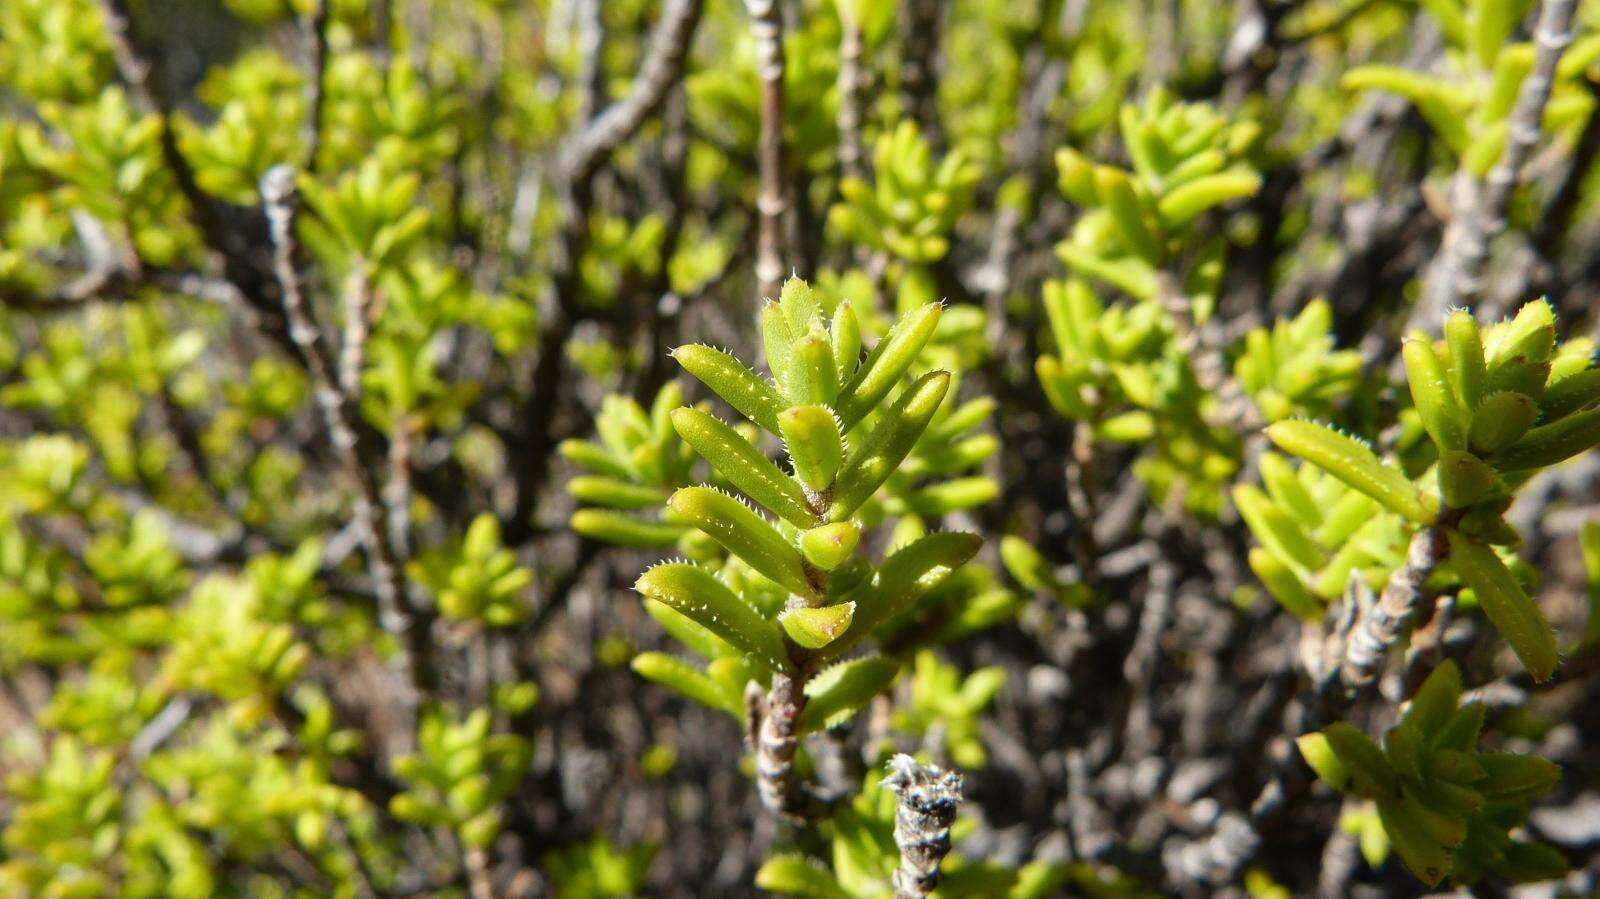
(926, 799)
(852, 83)
(766, 23)
(316, 88)
(1478, 210)
(339, 417)
(1382, 625)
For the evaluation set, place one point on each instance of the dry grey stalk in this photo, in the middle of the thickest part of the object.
(1381, 626)
(357, 330)
(339, 415)
(852, 96)
(663, 64)
(1478, 210)
(926, 798)
(775, 736)
(766, 23)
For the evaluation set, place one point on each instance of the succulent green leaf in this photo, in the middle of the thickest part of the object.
(1435, 701)
(846, 337)
(743, 533)
(1456, 766)
(814, 627)
(815, 446)
(1182, 205)
(1415, 839)
(614, 492)
(1321, 757)
(1529, 338)
(1354, 463)
(1284, 585)
(1127, 213)
(1275, 529)
(816, 374)
(894, 435)
(1370, 771)
(1501, 420)
(624, 530)
(1516, 778)
(1461, 731)
(827, 546)
(904, 578)
(746, 467)
(698, 595)
(732, 380)
(1568, 395)
(1465, 479)
(1514, 614)
(1289, 492)
(1436, 401)
(779, 342)
(1464, 342)
(1552, 443)
(795, 874)
(684, 678)
(687, 631)
(888, 360)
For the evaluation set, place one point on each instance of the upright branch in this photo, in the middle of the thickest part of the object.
(357, 331)
(766, 23)
(852, 82)
(339, 414)
(775, 737)
(1478, 210)
(316, 87)
(926, 799)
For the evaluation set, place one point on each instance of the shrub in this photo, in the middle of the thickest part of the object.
(1113, 449)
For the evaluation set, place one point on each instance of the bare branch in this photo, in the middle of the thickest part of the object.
(767, 24)
(340, 418)
(1478, 210)
(926, 799)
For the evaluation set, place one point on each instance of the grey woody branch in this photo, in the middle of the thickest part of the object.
(340, 418)
(1478, 210)
(766, 22)
(663, 65)
(775, 735)
(1381, 625)
(926, 799)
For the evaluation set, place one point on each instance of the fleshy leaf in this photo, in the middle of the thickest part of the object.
(732, 380)
(701, 597)
(746, 467)
(1354, 463)
(1514, 614)
(886, 363)
(893, 436)
(743, 533)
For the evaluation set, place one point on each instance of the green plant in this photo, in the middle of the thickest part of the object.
(1445, 805)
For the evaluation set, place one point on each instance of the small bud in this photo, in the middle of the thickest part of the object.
(814, 628)
(828, 545)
